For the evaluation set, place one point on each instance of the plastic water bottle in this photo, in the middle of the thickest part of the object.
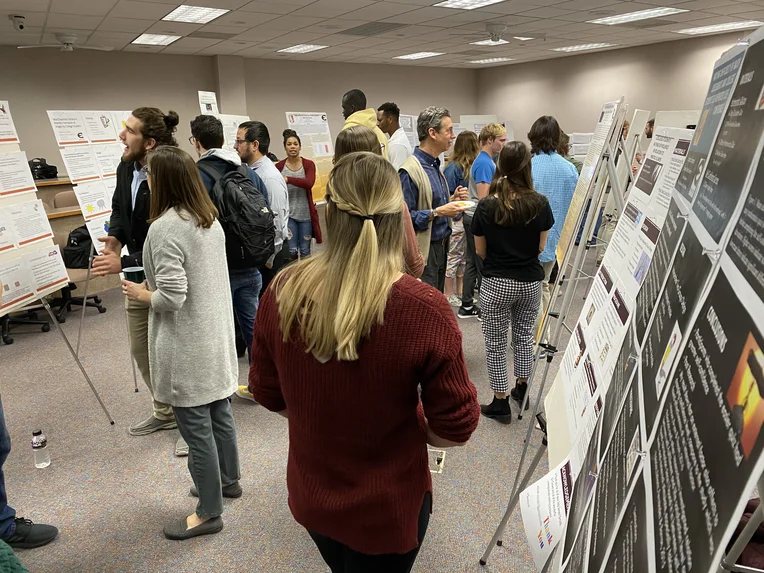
(40, 449)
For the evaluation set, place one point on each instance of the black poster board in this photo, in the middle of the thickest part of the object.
(629, 553)
(625, 367)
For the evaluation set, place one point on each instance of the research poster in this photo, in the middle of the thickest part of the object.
(29, 222)
(68, 127)
(317, 145)
(108, 157)
(408, 123)
(231, 125)
(46, 269)
(736, 144)
(81, 164)
(98, 227)
(94, 199)
(208, 103)
(15, 176)
(722, 83)
(18, 288)
(7, 128)
(100, 126)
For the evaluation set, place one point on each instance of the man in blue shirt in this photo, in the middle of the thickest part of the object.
(426, 192)
(556, 178)
(492, 138)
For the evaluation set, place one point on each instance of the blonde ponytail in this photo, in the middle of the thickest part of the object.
(337, 296)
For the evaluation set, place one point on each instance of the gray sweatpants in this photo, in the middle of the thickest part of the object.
(213, 456)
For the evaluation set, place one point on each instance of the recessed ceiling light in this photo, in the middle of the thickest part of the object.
(466, 4)
(418, 56)
(194, 14)
(303, 48)
(155, 39)
(636, 16)
(489, 43)
(582, 47)
(721, 27)
(523, 38)
(490, 61)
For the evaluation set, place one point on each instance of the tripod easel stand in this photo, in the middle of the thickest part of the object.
(604, 170)
(729, 560)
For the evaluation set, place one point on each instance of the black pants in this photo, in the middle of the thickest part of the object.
(435, 270)
(281, 259)
(474, 266)
(341, 559)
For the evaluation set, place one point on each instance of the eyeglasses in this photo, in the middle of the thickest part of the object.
(240, 141)
(191, 140)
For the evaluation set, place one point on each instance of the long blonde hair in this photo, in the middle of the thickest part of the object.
(337, 296)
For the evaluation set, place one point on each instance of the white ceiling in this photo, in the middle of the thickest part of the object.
(261, 27)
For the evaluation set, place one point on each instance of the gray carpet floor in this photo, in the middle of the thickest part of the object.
(110, 494)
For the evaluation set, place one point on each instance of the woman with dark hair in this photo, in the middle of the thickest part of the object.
(510, 227)
(361, 138)
(187, 292)
(300, 176)
(457, 172)
(325, 336)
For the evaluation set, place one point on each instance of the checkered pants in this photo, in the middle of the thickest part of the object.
(505, 301)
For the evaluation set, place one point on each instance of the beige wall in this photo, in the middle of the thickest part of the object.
(38, 80)
(659, 77)
(274, 87)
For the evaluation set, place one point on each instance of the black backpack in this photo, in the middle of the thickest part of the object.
(41, 169)
(244, 215)
(76, 252)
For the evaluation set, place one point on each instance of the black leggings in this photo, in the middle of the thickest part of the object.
(341, 559)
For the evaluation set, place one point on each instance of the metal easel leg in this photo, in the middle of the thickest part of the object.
(85, 298)
(729, 560)
(76, 359)
(517, 490)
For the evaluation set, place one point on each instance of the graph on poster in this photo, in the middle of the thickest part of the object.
(663, 376)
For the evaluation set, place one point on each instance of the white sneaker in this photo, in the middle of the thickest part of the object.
(181, 447)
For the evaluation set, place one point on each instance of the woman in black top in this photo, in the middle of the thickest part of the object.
(510, 228)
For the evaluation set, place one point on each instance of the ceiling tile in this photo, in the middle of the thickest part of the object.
(33, 20)
(422, 15)
(69, 22)
(754, 15)
(83, 7)
(51, 37)
(545, 12)
(113, 39)
(380, 10)
(224, 48)
(590, 5)
(140, 10)
(268, 6)
(253, 52)
(293, 22)
(298, 37)
(24, 6)
(227, 4)
(334, 8)
(123, 25)
(28, 37)
(258, 34)
(368, 42)
(333, 39)
(173, 28)
(239, 18)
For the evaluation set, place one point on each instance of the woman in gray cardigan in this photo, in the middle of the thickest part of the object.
(192, 349)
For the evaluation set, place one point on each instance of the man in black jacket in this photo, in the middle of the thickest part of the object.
(243, 274)
(146, 128)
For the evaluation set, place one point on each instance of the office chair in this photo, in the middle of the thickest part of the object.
(24, 316)
(64, 303)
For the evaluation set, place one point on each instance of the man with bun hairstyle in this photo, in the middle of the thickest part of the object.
(145, 129)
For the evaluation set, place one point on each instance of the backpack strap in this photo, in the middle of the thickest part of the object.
(213, 172)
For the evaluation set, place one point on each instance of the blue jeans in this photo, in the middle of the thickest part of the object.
(300, 234)
(245, 292)
(7, 513)
(597, 225)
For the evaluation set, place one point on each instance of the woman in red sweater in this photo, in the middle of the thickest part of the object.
(343, 344)
(300, 176)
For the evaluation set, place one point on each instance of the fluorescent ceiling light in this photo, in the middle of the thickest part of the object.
(418, 56)
(523, 38)
(491, 61)
(636, 16)
(466, 4)
(194, 14)
(721, 27)
(582, 47)
(489, 43)
(155, 39)
(303, 48)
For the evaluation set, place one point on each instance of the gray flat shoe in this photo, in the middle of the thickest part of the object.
(177, 529)
(150, 426)
(233, 490)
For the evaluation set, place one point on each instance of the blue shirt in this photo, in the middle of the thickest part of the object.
(481, 172)
(140, 174)
(440, 196)
(454, 177)
(554, 177)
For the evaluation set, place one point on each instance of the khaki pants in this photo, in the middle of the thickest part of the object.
(546, 296)
(138, 326)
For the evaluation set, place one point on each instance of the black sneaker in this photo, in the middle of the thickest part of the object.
(469, 312)
(28, 535)
(498, 409)
(518, 393)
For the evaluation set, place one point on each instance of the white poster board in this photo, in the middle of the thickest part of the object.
(208, 103)
(317, 144)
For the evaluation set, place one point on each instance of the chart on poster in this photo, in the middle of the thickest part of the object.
(677, 385)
